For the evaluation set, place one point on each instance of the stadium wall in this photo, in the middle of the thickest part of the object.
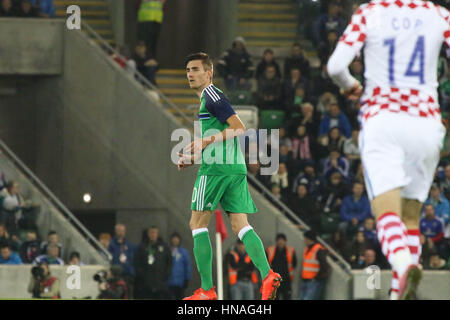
(15, 281)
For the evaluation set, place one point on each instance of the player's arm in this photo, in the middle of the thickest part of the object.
(223, 111)
(349, 46)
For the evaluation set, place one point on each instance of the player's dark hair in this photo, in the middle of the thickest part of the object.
(206, 60)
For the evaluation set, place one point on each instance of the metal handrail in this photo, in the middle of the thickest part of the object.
(285, 209)
(53, 199)
(136, 73)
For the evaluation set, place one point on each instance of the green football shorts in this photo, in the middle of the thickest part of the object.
(230, 191)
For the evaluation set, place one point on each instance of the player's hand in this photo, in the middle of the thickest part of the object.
(185, 161)
(195, 146)
(354, 93)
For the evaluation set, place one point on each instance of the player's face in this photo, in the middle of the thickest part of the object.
(196, 74)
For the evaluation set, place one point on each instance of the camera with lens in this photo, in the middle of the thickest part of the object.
(37, 272)
(100, 276)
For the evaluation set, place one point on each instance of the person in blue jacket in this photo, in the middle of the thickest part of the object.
(335, 118)
(181, 268)
(355, 208)
(122, 252)
(46, 7)
(440, 204)
(7, 256)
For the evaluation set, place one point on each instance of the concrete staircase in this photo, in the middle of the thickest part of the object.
(271, 24)
(94, 12)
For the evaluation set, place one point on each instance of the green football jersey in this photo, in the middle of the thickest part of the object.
(224, 157)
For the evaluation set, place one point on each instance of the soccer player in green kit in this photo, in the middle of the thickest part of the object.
(222, 178)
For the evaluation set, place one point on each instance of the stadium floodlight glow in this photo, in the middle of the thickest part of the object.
(87, 198)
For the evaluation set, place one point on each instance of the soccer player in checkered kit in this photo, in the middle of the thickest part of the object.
(401, 130)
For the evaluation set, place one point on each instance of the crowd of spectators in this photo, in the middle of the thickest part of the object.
(27, 8)
(152, 269)
(320, 175)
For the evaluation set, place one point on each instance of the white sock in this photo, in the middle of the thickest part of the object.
(401, 261)
(199, 230)
(243, 231)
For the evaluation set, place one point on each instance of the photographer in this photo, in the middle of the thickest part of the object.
(43, 284)
(111, 284)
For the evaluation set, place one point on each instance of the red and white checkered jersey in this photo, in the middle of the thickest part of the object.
(402, 40)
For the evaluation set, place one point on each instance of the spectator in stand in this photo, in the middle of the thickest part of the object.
(315, 268)
(436, 263)
(326, 48)
(7, 256)
(254, 169)
(52, 237)
(333, 141)
(294, 107)
(432, 227)
(235, 66)
(307, 118)
(26, 10)
(11, 211)
(75, 259)
(297, 60)
(122, 251)
(4, 235)
(440, 204)
(428, 249)
(334, 192)
(357, 70)
(281, 179)
(30, 249)
(444, 182)
(368, 259)
(351, 149)
(445, 152)
(52, 256)
(267, 60)
(153, 265)
(314, 182)
(354, 252)
(242, 277)
(355, 208)
(305, 207)
(290, 85)
(104, 239)
(322, 84)
(150, 18)
(45, 7)
(292, 165)
(335, 118)
(324, 102)
(338, 242)
(304, 146)
(268, 95)
(336, 162)
(145, 63)
(282, 259)
(369, 230)
(326, 22)
(276, 192)
(181, 268)
(284, 139)
(7, 9)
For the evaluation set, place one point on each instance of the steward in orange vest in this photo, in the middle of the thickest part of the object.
(314, 268)
(240, 267)
(282, 259)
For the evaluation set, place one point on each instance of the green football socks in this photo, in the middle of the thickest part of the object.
(203, 257)
(255, 250)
